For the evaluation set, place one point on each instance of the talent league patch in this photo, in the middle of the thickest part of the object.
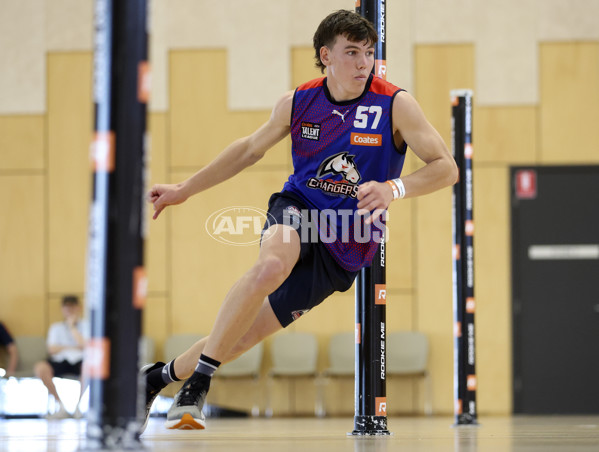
(310, 131)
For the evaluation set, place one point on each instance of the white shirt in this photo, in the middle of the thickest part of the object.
(60, 334)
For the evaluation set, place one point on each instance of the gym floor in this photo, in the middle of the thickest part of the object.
(426, 434)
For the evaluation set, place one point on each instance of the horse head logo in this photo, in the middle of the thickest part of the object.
(341, 163)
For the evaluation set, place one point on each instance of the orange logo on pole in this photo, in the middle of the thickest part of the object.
(380, 69)
(144, 82)
(457, 329)
(97, 358)
(471, 382)
(468, 150)
(469, 228)
(470, 305)
(140, 287)
(456, 252)
(102, 151)
(380, 294)
(381, 406)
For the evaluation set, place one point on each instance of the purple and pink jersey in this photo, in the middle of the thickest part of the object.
(336, 146)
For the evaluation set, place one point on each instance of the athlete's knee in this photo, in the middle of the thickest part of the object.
(271, 271)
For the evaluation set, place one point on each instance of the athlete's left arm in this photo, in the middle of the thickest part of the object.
(440, 170)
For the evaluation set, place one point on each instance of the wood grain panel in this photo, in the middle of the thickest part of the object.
(22, 247)
(200, 124)
(155, 323)
(302, 63)
(70, 123)
(400, 245)
(492, 287)
(156, 251)
(439, 69)
(434, 290)
(22, 142)
(569, 108)
(505, 135)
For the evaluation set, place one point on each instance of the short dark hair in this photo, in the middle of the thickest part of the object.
(342, 23)
(69, 300)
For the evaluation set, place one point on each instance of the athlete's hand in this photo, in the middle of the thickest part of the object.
(164, 195)
(374, 197)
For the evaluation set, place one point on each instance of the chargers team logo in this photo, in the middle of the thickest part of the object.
(343, 164)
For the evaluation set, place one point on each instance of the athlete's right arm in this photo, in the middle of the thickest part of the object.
(234, 158)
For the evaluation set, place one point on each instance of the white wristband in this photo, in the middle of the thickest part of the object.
(394, 189)
(400, 187)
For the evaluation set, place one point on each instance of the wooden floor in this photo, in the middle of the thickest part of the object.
(426, 434)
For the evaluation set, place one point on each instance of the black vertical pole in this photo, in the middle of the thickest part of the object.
(370, 385)
(116, 283)
(463, 261)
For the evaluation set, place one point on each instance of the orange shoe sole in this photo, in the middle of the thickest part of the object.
(187, 422)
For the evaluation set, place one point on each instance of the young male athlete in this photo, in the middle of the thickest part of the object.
(349, 135)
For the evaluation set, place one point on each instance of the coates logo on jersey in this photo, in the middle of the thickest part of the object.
(339, 164)
(366, 139)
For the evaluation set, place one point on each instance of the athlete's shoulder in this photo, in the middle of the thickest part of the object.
(281, 112)
(380, 86)
(315, 83)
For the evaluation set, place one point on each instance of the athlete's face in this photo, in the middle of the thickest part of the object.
(348, 65)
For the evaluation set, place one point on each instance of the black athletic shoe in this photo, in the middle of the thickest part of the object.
(186, 410)
(151, 393)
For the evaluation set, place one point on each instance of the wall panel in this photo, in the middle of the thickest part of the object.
(22, 142)
(434, 290)
(70, 123)
(22, 247)
(303, 64)
(439, 69)
(400, 245)
(258, 56)
(156, 251)
(70, 25)
(569, 102)
(22, 46)
(200, 123)
(506, 68)
(566, 21)
(505, 135)
(492, 254)
(156, 323)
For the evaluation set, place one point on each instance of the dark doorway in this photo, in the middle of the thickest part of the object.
(555, 289)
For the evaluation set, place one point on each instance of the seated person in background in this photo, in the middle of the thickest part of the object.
(8, 342)
(65, 348)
